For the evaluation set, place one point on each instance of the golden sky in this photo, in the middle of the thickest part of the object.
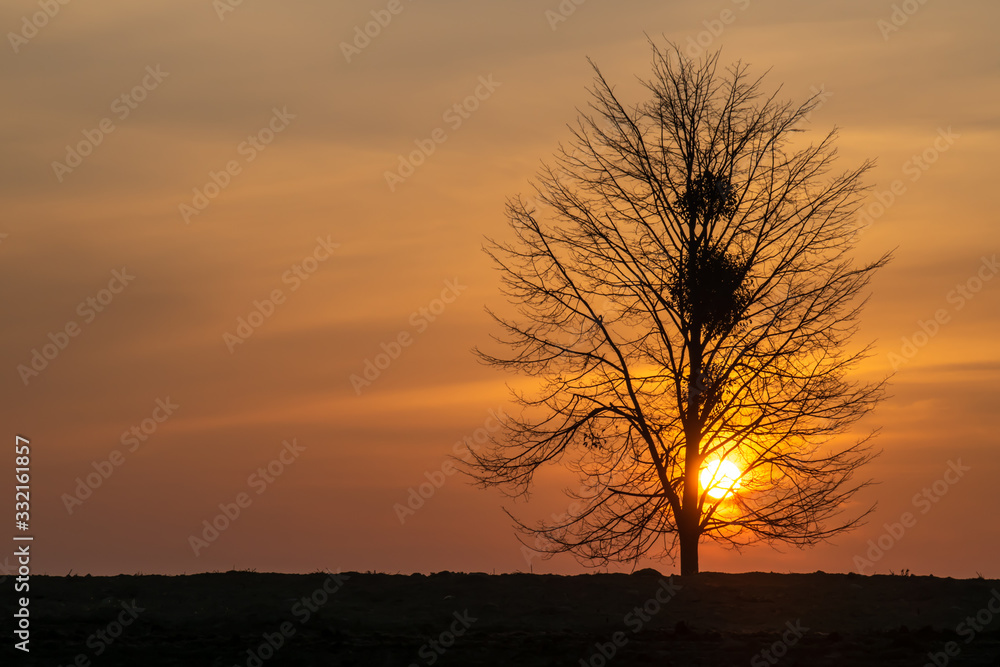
(169, 168)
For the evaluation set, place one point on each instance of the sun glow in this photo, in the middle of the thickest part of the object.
(720, 478)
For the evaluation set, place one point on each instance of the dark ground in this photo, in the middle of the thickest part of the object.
(375, 619)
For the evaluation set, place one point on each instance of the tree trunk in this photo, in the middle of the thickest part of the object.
(688, 525)
(689, 550)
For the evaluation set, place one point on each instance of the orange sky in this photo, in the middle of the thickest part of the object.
(287, 136)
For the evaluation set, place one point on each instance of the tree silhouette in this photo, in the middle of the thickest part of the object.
(685, 296)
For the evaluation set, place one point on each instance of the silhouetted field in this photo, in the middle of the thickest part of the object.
(251, 619)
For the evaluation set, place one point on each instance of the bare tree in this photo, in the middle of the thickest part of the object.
(685, 299)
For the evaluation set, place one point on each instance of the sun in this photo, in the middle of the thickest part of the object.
(721, 478)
